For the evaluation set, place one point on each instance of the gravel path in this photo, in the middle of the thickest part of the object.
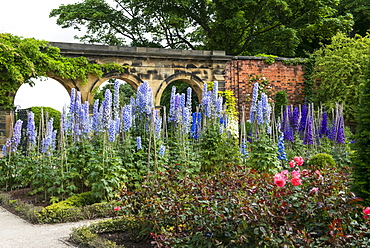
(18, 233)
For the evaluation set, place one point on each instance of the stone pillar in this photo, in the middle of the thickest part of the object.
(3, 127)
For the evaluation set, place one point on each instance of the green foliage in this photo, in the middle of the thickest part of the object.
(243, 208)
(322, 160)
(270, 58)
(361, 159)
(263, 155)
(23, 59)
(88, 237)
(239, 27)
(360, 9)
(340, 68)
(125, 92)
(51, 113)
(217, 151)
(281, 99)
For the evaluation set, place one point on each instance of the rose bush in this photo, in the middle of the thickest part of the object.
(245, 208)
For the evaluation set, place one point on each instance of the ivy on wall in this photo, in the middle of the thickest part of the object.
(24, 59)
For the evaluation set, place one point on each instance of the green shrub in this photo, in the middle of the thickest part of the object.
(88, 236)
(321, 160)
(361, 159)
(52, 113)
(281, 99)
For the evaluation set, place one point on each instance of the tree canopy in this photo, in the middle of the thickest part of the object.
(339, 69)
(239, 27)
(24, 59)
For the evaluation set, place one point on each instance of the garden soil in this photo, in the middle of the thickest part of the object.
(18, 233)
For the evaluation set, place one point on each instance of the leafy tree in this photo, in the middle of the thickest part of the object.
(361, 162)
(23, 59)
(125, 92)
(239, 27)
(339, 69)
(360, 9)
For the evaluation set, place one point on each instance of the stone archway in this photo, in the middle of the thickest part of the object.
(194, 82)
(132, 80)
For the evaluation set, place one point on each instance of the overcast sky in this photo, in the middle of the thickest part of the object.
(30, 19)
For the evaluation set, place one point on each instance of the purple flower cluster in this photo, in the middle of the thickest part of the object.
(116, 101)
(144, 100)
(196, 125)
(48, 143)
(31, 129)
(304, 125)
(211, 102)
(127, 117)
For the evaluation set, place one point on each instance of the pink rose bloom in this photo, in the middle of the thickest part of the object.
(292, 164)
(296, 181)
(279, 180)
(284, 174)
(296, 174)
(314, 190)
(366, 210)
(299, 161)
(117, 208)
(317, 172)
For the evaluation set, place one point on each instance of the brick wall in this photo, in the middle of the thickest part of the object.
(240, 70)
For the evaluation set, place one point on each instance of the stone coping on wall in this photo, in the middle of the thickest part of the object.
(124, 51)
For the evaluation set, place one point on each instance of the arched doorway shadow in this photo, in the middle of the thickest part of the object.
(192, 80)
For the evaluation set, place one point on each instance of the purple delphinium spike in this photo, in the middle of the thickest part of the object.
(17, 134)
(144, 100)
(219, 104)
(47, 142)
(243, 148)
(31, 129)
(196, 124)
(324, 130)
(116, 102)
(96, 117)
(207, 103)
(308, 137)
(295, 118)
(138, 143)
(107, 109)
(259, 112)
(302, 124)
(253, 109)
(127, 117)
(188, 98)
(72, 101)
(281, 148)
(112, 130)
(214, 93)
(171, 115)
(340, 138)
(162, 150)
(157, 123)
(186, 115)
(85, 119)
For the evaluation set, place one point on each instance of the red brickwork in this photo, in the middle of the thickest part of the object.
(281, 77)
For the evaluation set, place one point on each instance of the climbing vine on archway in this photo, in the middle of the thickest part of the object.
(24, 59)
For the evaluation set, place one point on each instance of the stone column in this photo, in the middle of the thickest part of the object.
(3, 127)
